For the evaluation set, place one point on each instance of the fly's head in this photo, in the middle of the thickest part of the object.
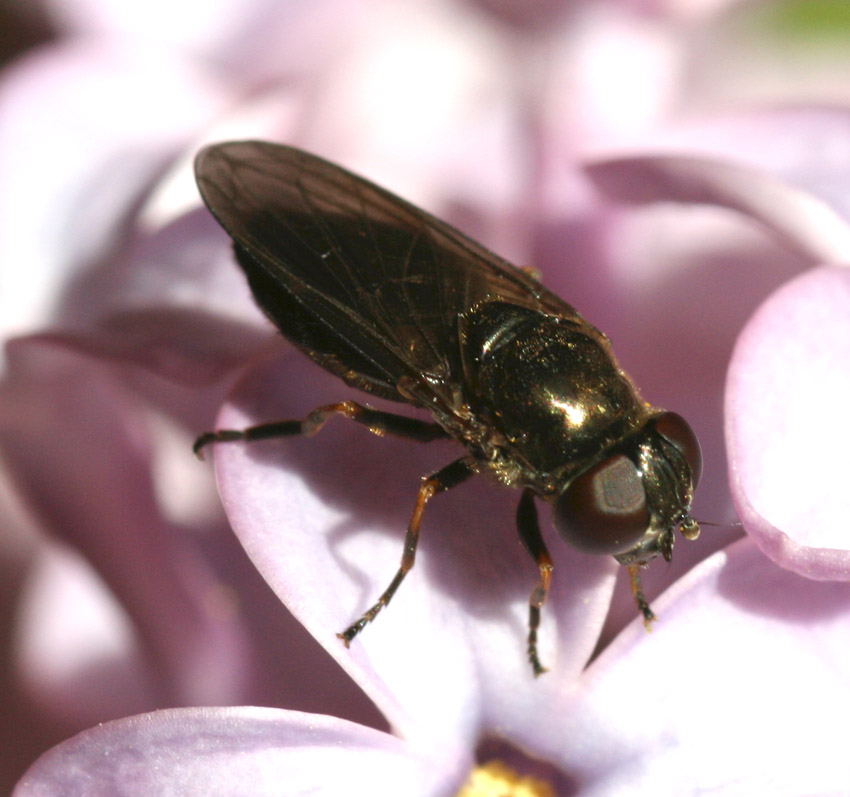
(629, 503)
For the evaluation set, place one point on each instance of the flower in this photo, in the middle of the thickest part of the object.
(129, 322)
(710, 701)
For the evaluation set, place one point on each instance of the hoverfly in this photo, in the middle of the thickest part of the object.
(401, 305)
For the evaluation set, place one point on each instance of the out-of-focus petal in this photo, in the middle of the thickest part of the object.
(323, 520)
(786, 428)
(739, 692)
(191, 25)
(806, 146)
(236, 751)
(84, 130)
(615, 73)
(79, 446)
(245, 40)
(76, 655)
(800, 220)
(188, 316)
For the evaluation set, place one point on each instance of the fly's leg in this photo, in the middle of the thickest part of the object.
(529, 533)
(444, 479)
(640, 598)
(379, 423)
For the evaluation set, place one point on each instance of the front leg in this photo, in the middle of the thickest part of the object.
(529, 533)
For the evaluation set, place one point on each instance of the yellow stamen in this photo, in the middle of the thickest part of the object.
(497, 779)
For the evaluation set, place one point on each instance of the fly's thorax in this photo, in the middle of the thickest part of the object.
(550, 386)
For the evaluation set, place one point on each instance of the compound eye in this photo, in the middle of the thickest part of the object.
(675, 429)
(604, 510)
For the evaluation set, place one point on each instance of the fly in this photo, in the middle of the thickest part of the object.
(400, 305)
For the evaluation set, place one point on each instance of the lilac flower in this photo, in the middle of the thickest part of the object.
(671, 716)
(132, 322)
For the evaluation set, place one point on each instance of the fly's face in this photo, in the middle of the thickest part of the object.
(629, 503)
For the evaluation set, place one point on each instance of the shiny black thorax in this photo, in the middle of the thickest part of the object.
(550, 388)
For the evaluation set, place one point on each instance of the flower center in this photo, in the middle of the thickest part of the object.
(497, 779)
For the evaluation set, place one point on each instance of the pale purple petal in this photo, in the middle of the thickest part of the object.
(79, 448)
(323, 520)
(84, 129)
(786, 427)
(739, 692)
(188, 317)
(77, 660)
(248, 40)
(800, 220)
(612, 76)
(236, 751)
(192, 25)
(806, 146)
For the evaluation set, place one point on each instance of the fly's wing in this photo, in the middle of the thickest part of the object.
(365, 283)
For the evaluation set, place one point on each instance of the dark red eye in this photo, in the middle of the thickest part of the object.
(675, 429)
(604, 510)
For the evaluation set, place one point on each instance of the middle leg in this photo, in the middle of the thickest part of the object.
(444, 479)
(529, 532)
